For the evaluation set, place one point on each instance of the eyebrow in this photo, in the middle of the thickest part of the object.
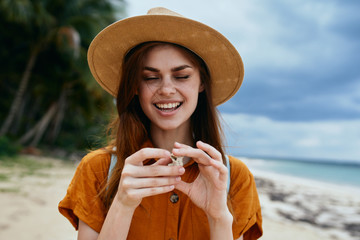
(179, 68)
(175, 69)
(151, 69)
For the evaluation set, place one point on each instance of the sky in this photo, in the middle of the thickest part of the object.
(301, 93)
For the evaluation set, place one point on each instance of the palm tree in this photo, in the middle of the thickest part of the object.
(58, 23)
(21, 12)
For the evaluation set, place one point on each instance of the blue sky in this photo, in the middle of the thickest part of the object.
(301, 93)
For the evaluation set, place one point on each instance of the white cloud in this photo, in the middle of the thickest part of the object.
(296, 42)
(308, 142)
(268, 34)
(256, 135)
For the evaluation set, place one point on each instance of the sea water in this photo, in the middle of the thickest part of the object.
(344, 173)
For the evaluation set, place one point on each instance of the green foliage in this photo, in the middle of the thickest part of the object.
(25, 162)
(7, 147)
(20, 166)
(60, 74)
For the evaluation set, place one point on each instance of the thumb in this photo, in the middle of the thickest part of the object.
(183, 187)
(163, 161)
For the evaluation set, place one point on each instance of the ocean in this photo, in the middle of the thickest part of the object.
(347, 173)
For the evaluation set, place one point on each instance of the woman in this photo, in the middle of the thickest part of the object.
(167, 73)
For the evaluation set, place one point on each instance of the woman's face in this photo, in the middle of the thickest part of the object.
(169, 88)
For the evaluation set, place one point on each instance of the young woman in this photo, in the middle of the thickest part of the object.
(167, 73)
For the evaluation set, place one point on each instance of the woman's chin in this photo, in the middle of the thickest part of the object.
(170, 125)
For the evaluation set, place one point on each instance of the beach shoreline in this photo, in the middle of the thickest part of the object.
(332, 211)
(292, 208)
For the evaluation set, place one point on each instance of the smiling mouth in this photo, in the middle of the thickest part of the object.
(167, 107)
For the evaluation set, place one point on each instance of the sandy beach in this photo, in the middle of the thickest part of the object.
(297, 208)
(292, 208)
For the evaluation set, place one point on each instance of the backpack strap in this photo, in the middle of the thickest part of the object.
(112, 165)
(114, 160)
(228, 166)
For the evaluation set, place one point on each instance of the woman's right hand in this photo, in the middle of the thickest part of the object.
(139, 181)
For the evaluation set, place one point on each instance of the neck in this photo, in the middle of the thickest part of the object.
(165, 139)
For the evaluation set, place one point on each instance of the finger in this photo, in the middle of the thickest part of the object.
(138, 183)
(146, 153)
(180, 145)
(197, 154)
(213, 152)
(163, 161)
(152, 171)
(183, 187)
(146, 192)
(224, 171)
(220, 166)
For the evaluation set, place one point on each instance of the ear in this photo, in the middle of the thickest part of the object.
(201, 87)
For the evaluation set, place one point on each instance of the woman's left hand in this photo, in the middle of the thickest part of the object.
(208, 191)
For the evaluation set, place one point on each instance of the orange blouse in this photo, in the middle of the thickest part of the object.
(166, 216)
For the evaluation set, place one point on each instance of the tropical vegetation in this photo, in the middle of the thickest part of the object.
(48, 96)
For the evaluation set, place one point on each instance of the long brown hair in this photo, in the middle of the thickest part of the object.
(131, 128)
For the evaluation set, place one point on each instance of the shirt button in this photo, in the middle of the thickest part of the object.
(174, 198)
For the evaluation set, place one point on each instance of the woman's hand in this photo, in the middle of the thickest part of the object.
(208, 191)
(139, 181)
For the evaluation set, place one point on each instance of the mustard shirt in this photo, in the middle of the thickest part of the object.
(166, 216)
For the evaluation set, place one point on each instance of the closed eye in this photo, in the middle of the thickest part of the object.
(150, 78)
(182, 77)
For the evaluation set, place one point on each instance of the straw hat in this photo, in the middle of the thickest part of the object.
(108, 48)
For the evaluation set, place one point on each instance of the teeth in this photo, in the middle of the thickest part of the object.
(167, 105)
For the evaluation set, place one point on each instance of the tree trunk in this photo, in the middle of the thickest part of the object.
(38, 130)
(19, 116)
(59, 117)
(20, 92)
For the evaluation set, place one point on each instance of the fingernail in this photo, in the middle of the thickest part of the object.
(178, 179)
(181, 170)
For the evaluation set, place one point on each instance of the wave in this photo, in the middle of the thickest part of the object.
(346, 162)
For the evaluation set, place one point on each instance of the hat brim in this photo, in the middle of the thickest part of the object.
(106, 52)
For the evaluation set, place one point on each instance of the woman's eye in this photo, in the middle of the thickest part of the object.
(150, 78)
(182, 77)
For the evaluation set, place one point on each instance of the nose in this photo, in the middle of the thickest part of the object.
(167, 86)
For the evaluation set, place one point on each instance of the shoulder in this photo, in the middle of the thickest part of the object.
(238, 167)
(244, 201)
(95, 163)
(240, 174)
(82, 200)
(97, 157)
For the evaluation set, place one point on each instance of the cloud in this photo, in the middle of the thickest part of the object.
(301, 57)
(300, 63)
(257, 135)
(301, 93)
(299, 104)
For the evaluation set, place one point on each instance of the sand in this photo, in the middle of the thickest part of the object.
(292, 208)
(29, 205)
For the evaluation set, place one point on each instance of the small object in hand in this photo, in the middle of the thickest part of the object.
(176, 161)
